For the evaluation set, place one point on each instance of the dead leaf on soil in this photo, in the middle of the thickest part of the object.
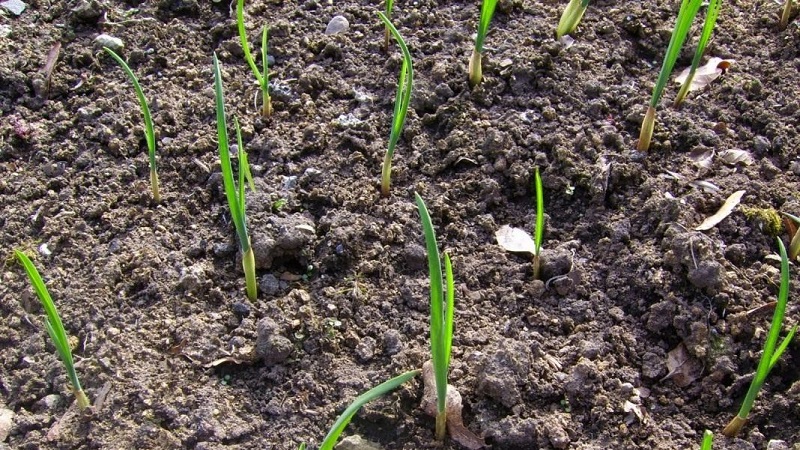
(702, 156)
(705, 74)
(735, 156)
(243, 358)
(683, 369)
(455, 424)
(515, 240)
(705, 186)
(724, 211)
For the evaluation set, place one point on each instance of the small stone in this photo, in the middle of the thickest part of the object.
(223, 250)
(392, 342)
(15, 6)
(415, 257)
(241, 310)
(365, 350)
(761, 144)
(269, 284)
(106, 40)
(6, 422)
(356, 442)
(270, 345)
(708, 275)
(88, 11)
(47, 403)
(777, 445)
(337, 25)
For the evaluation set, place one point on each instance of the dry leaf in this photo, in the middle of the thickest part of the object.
(455, 424)
(706, 186)
(683, 369)
(735, 156)
(724, 211)
(705, 74)
(515, 239)
(702, 156)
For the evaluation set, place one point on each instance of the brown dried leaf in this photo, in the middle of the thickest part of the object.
(683, 369)
(705, 74)
(735, 156)
(724, 211)
(702, 156)
(455, 424)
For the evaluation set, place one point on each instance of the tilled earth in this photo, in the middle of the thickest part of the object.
(641, 334)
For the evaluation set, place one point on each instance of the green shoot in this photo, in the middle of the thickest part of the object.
(771, 354)
(262, 76)
(442, 308)
(388, 12)
(786, 14)
(379, 390)
(150, 135)
(686, 15)
(54, 328)
(571, 17)
(475, 62)
(538, 233)
(401, 101)
(708, 440)
(708, 27)
(302, 446)
(236, 198)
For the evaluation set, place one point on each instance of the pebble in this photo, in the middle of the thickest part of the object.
(761, 144)
(241, 310)
(106, 40)
(47, 403)
(337, 25)
(356, 442)
(270, 345)
(269, 284)
(6, 423)
(365, 350)
(392, 342)
(15, 6)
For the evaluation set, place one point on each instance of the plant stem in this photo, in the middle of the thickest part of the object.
(441, 425)
(249, 267)
(537, 266)
(266, 109)
(734, 426)
(648, 125)
(787, 12)
(386, 174)
(154, 184)
(475, 69)
(82, 399)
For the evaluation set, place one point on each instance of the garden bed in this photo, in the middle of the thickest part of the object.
(155, 294)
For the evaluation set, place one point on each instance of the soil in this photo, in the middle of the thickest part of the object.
(154, 294)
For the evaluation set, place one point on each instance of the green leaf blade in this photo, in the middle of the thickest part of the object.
(538, 234)
(487, 12)
(149, 129)
(402, 100)
(686, 15)
(378, 391)
(237, 214)
(53, 324)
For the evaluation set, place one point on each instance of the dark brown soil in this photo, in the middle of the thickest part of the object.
(154, 294)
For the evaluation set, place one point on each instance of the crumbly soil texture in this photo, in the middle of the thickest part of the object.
(641, 333)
